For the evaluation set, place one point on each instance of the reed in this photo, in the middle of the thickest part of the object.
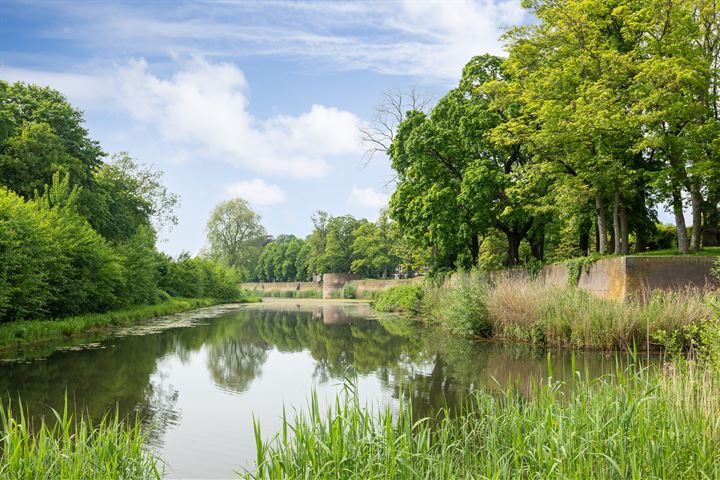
(69, 447)
(638, 423)
(523, 309)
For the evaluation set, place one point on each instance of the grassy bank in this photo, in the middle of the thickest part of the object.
(637, 424)
(525, 310)
(24, 332)
(73, 448)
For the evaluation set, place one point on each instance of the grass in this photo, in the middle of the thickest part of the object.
(66, 447)
(570, 317)
(703, 252)
(525, 310)
(639, 423)
(29, 331)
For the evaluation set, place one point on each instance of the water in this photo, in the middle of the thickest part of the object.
(200, 378)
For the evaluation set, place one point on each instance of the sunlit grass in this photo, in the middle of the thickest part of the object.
(639, 423)
(66, 447)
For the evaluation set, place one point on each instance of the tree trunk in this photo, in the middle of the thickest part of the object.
(697, 227)
(537, 245)
(513, 253)
(617, 235)
(711, 222)
(385, 271)
(624, 228)
(601, 223)
(682, 237)
(474, 249)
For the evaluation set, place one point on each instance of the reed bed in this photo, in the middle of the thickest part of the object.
(523, 309)
(70, 448)
(639, 423)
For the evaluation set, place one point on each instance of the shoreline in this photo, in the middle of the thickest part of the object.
(34, 333)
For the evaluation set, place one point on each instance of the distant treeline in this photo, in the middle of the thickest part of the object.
(336, 245)
(77, 232)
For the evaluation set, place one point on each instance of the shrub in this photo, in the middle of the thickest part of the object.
(54, 263)
(462, 310)
(400, 298)
(349, 291)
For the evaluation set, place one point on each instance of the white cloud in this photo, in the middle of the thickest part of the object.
(429, 39)
(256, 191)
(205, 105)
(368, 197)
(203, 108)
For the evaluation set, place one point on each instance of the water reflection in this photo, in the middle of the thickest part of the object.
(201, 385)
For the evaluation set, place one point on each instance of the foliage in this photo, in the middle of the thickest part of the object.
(349, 291)
(53, 262)
(21, 332)
(400, 298)
(602, 113)
(576, 266)
(373, 248)
(128, 196)
(66, 446)
(235, 236)
(462, 309)
(188, 276)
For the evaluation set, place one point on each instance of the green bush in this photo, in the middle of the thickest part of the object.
(462, 310)
(400, 298)
(190, 277)
(54, 263)
(349, 291)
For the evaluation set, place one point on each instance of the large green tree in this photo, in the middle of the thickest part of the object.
(236, 235)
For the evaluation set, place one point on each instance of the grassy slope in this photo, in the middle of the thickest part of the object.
(25, 332)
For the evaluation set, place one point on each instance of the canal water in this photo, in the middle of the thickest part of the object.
(198, 379)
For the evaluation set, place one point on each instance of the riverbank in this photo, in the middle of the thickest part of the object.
(637, 423)
(521, 309)
(25, 333)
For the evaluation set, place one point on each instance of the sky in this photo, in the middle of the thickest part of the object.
(262, 100)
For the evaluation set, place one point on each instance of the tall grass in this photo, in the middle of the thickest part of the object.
(21, 332)
(524, 309)
(639, 423)
(70, 448)
(527, 310)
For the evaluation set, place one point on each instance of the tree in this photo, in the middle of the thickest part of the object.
(380, 134)
(129, 195)
(372, 249)
(40, 134)
(455, 182)
(235, 235)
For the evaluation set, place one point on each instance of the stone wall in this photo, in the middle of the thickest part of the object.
(367, 285)
(621, 278)
(333, 283)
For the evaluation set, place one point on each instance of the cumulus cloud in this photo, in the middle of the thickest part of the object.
(368, 197)
(203, 107)
(205, 104)
(256, 191)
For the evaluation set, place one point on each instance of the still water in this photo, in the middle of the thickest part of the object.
(200, 378)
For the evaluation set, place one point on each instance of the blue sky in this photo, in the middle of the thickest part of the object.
(256, 99)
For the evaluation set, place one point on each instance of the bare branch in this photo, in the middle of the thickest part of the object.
(380, 134)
